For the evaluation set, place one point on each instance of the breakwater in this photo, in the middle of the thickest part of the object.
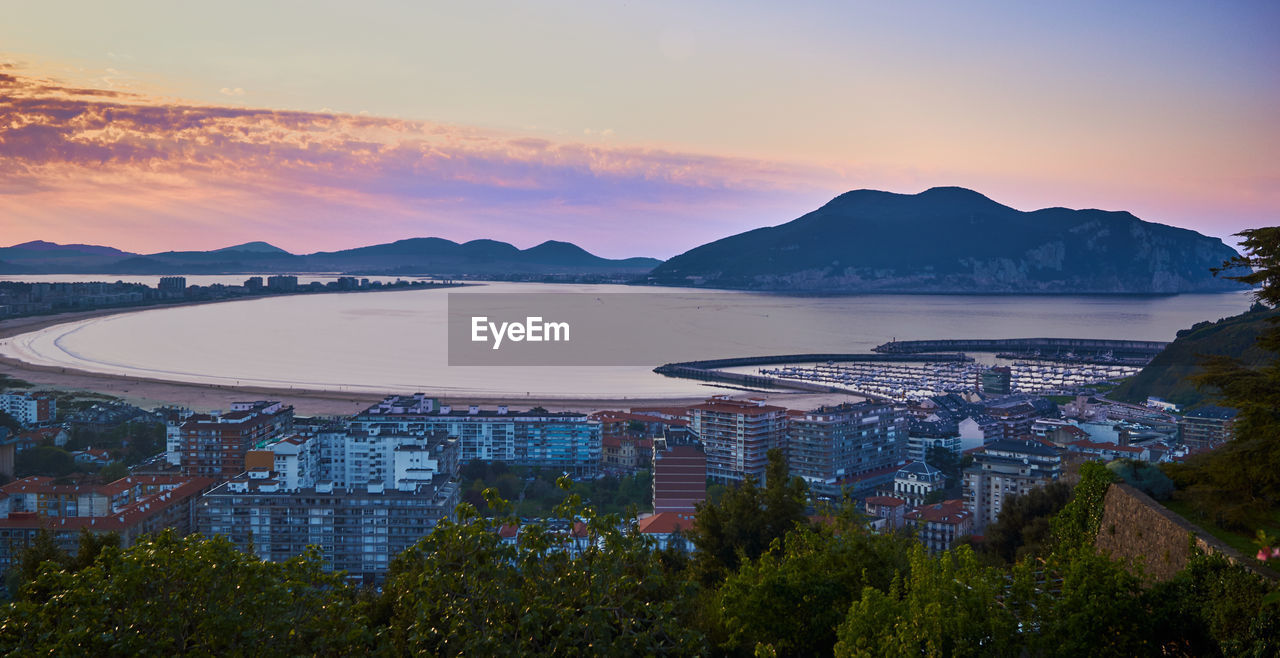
(713, 369)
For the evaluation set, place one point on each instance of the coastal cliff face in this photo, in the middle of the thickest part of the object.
(955, 240)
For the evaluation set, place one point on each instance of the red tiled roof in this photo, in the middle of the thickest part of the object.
(885, 501)
(665, 523)
(948, 511)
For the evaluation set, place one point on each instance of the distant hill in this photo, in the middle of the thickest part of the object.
(1166, 376)
(951, 239)
(254, 247)
(427, 256)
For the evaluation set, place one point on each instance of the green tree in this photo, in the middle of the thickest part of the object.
(10, 423)
(462, 591)
(1023, 527)
(1240, 481)
(793, 598)
(48, 461)
(167, 595)
(947, 606)
(746, 520)
(113, 471)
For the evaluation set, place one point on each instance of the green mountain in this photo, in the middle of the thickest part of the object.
(1166, 376)
(950, 239)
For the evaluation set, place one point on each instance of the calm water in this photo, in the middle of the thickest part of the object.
(396, 341)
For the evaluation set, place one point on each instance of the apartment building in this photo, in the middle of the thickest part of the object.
(1005, 468)
(830, 446)
(215, 445)
(737, 436)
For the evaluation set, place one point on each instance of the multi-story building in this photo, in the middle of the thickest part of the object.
(172, 283)
(915, 481)
(29, 409)
(128, 507)
(282, 283)
(214, 445)
(737, 436)
(1006, 468)
(1017, 413)
(938, 526)
(361, 498)
(679, 477)
(887, 512)
(1208, 427)
(830, 446)
(566, 441)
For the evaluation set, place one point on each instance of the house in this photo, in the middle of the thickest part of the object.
(915, 481)
(668, 530)
(888, 509)
(939, 525)
(92, 456)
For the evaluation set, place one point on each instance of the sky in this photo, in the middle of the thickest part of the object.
(631, 129)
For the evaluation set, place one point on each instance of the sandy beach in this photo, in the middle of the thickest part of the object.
(149, 392)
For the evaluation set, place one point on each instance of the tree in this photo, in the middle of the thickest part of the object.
(746, 520)
(10, 423)
(1240, 481)
(113, 471)
(167, 595)
(44, 460)
(462, 591)
(793, 598)
(1023, 527)
(946, 606)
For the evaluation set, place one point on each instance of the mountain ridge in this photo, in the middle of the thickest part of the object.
(954, 240)
(423, 255)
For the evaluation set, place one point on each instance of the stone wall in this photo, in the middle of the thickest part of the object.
(1136, 528)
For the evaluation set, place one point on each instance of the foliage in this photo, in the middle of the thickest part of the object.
(1239, 482)
(947, 606)
(463, 591)
(946, 461)
(50, 461)
(1078, 522)
(167, 595)
(534, 494)
(746, 521)
(1081, 603)
(793, 599)
(113, 471)
(1223, 608)
(1147, 478)
(1023, 527)
(132, 442)
(10, 423)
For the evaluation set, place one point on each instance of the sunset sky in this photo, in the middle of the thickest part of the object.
(642, 128)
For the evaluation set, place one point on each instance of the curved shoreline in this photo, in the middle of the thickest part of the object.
(153, 391)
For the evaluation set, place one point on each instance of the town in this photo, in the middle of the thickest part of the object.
(21, 299)
(364, 488)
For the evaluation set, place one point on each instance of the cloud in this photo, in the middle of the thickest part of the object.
(228, 91)
(111, 157)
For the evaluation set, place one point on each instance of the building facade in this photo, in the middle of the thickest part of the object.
(915, 481)
(539, 438)
(1006, 468)
(939, 525)
(833, 445)
(215, 445)
(361, 499)
(29, 409)
(679, 477)
(737, 436)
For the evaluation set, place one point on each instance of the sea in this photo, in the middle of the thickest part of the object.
(396, 341)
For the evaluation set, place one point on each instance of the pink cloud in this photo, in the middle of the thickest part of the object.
(86, 162)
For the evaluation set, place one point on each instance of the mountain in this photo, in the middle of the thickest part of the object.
(429, 256)
(254, 247)
(1166, 377)
(954, 240)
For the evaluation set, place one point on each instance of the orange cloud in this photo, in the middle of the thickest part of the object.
(110, 157)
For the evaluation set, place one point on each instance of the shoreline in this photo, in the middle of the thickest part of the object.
(151, 392)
